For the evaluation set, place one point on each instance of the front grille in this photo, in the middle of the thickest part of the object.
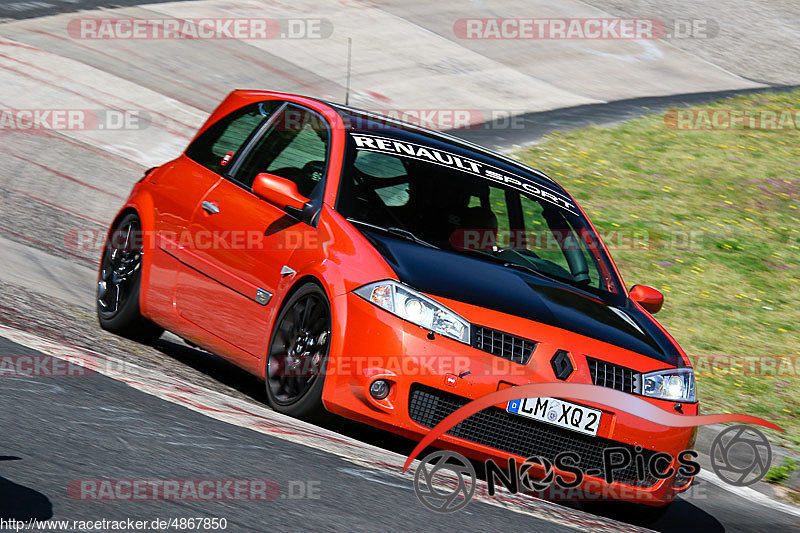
(496, 428)
(505, 345)
(614, 376)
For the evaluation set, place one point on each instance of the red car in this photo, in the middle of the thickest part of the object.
(390, 274)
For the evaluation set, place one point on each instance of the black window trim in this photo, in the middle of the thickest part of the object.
(259, 132)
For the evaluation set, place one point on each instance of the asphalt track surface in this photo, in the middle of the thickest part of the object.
(88, 426)
(173, 419)
(96, 427)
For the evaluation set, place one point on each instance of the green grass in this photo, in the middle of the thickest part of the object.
(779, 474)
(711, 219)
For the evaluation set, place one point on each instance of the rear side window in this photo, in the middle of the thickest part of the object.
(216, 146)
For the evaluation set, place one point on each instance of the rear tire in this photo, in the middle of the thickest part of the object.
(298, 354)
(118, 284)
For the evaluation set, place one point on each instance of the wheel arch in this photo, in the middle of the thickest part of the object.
(125, 211)
(299, 282)
(296, 285)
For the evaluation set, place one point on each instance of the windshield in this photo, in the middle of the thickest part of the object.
(460, 203)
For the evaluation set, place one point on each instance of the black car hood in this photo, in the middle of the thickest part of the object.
(493, 286)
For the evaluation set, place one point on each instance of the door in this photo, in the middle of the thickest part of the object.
(180, 186)
(188, 179)
(241, 242)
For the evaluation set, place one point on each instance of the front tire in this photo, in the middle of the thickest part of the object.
(298, 354)
(118, 285)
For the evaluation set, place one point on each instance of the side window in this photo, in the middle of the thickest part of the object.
(294, 147)
(216, 146)
(551, 244)
(540, 239)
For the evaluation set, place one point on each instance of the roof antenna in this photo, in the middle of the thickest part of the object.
(347, 89)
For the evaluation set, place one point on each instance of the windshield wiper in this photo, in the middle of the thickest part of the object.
(555, 279)
(397, 232)
(510, 264)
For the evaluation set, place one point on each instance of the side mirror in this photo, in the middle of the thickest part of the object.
(279, 191)
(647, 297)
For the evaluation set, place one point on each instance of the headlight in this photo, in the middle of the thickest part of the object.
(674, 384)
(417, 308)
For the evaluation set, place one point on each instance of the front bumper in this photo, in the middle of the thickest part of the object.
(432, 377)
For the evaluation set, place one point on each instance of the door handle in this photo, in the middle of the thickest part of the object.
(210, 208)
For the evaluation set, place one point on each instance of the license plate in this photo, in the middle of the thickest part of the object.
(559, 413)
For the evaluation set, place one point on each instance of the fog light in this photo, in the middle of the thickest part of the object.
(379, 389)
